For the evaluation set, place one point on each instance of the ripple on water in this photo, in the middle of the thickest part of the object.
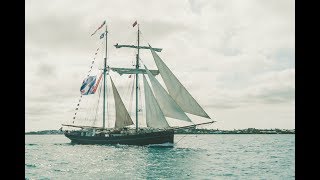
(31, 144)
(31, 165)
(204, 157)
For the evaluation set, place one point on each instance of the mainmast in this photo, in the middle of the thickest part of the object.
(136, 70)
(104, 81)
(137, 88)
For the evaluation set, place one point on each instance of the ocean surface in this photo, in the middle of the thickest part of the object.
(214, 156)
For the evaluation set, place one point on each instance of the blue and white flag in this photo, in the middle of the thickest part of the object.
(87, 86)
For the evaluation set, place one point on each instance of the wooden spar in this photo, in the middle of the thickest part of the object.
(140, 47)
(133, 71)
(70, 125)
(174, 128)
(186, 127)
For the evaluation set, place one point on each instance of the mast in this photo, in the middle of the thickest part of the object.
(137, 88)
(104, 82)
(136, 70)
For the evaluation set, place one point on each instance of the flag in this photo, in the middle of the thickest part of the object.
(102, 35)
(104, 22)
(87, 85)
(135, 23)
(96, 86)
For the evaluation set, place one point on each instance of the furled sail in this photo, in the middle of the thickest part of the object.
(154, 116)
(122, 116)
(176, 90)
(168, 106)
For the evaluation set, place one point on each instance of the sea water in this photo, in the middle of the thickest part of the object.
(214, 156)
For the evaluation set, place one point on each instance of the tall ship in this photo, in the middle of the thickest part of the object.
(160, 102)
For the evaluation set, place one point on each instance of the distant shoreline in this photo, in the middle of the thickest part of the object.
(198, 131)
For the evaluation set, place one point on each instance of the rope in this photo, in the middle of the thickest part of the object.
(97, 108)
(140, 100)
(131, 95)
(108, 111)
(88, 74)
(181, 138)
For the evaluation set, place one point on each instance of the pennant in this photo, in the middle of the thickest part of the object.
(102, 35)
(87, 85)
(135, 23)
(104, 22)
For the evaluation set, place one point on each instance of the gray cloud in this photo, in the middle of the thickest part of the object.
(46, 70)
(197, 5)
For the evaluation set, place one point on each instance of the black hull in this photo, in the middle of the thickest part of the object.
(133, 139)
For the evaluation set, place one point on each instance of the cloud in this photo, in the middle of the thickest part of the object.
(46, 70)
(197, 5)
(230, 55)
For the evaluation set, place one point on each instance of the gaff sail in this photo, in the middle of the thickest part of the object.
(122, 116)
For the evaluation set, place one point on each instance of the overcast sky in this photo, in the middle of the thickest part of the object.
(237, 58)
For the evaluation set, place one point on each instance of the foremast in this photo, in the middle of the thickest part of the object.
(104, 81)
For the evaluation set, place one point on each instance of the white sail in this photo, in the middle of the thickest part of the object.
(168, 106)
(176, 90)
(154, 116)
(122, 116)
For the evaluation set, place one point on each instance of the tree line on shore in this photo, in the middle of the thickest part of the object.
(202, 131)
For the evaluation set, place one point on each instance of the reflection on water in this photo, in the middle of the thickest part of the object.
(170, 163)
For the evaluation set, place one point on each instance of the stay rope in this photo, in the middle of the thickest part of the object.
(88, 74)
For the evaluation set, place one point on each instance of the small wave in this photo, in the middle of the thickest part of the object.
(121, 145)
(63, 163)
(161, 145)
(31, 165)
(61, 170)
(62, 144)
(32, 144)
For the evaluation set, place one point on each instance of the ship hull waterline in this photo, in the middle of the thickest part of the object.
(146, 138)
